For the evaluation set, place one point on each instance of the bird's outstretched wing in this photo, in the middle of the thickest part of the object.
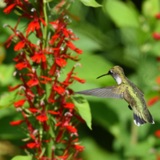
(107, 92)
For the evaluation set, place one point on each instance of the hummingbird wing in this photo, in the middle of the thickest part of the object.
(107, 92)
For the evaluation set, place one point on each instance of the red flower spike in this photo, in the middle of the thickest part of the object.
(153, 100)
(156, 36)
(19, 103)
(15, 123)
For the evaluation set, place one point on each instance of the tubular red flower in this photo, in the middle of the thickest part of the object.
(42, 117)
(156, 36)
(17, 122)
(19, 103)
(153, 100)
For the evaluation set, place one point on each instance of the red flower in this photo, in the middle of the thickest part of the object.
(35, 25)
(156, 36)
(71, 129)
(157, 133)
(79, 79)
(79, 147)
(20, 45)
(60, 90)
(42, 118)
(15, 123)
(54, 112)
(157, 15)
(33, 82)
(33, 110)
(61, 62)
(158, 80)
(38, 58)
(69, 105)
(32, 145)
(19, 103)
(153, 100)
(73, 47)
(9, 8)
(21, 65)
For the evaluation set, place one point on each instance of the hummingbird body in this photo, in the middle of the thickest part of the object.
(124, 90)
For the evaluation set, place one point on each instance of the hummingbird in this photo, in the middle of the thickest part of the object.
(126, 90)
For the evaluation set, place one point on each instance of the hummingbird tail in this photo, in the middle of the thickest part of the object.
(142, 118)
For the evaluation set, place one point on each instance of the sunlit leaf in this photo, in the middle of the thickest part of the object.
(91, 3)
(121, 14)
(22, 158)
(83, 108)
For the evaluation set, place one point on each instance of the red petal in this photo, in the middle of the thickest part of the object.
(20, 45)
(59, 89)
(32, 145)
(9, 8)
(69, 105)
(157, 15)
(71, 129)
(33, 110)
(21, 65)
(42, 118)
(61, 62)
(15, 123)
(156, 36)
(32, 82)
(19, 103)
(157, 133)
(54, 112)
(79, 80)
(153, 100)
(79, 147)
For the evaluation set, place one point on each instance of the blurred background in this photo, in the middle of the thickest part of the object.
(120, 32)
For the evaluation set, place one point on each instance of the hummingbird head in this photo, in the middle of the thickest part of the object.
(116, 72)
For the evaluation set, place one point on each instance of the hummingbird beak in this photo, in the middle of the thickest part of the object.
(103, 75)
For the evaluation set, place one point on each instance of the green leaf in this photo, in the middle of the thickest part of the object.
(121, 14)
(22, 158)
(90, 3)
(6, 74)
(83, 109)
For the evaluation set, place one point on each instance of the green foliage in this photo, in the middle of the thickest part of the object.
(91, 3)
(115, 34)
(22, 158)
(83, 109)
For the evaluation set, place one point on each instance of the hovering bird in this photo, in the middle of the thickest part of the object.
(124, 90)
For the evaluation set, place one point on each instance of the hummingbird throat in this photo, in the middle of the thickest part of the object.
(118, 79)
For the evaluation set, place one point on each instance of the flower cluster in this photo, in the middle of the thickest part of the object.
(44, 49)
